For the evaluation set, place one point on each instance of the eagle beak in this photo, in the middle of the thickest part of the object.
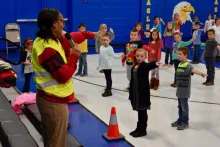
(190, 9)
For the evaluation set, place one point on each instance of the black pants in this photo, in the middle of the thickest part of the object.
(108, 77)
(26, 87)
(210, 66)
(169, 54)
(142, 117)
(176, 63)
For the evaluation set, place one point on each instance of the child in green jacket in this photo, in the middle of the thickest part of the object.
(178, 44)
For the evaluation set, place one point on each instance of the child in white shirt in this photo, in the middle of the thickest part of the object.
(105, 62)
(209, 23)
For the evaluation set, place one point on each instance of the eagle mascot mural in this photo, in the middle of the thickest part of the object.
(184, 9)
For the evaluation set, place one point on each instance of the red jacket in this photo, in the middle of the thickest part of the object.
(63, 71)
(157, 49)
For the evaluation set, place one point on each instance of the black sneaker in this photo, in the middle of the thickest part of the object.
(183, 127)
(84, 75)
(175, 124)
(107, 93)
(77, 74)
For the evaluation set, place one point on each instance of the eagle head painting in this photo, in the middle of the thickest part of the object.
(184, 9)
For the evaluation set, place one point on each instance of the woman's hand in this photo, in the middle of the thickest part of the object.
(75, 50)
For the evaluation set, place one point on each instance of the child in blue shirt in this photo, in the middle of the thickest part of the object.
(157, 24)
(197, 42)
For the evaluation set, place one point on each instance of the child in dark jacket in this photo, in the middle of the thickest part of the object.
(139, 91)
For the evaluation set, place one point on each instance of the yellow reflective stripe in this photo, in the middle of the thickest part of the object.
(47, 84)
(6, 67)
(42, 74)
(183, 64)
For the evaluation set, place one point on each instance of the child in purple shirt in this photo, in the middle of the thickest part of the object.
(168, 44)
(141, 34)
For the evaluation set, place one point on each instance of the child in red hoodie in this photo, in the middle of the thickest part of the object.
(156, 44)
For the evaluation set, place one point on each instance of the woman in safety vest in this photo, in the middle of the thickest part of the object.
(53, 76)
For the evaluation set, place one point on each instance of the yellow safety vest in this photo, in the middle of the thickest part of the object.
(44, 80)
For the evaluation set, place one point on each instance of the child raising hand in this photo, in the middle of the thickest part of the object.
(139, 92)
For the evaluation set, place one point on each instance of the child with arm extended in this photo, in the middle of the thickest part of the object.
(156, 44)
(157, 25)
(105, 62)
(141, 34)
(129, 53)
(184, 72)
(139, 92)
(178, 44)
(99, 36)
(197, 42)
(83, 69)
(176, 22)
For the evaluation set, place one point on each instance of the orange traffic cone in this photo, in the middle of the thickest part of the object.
(113, 131)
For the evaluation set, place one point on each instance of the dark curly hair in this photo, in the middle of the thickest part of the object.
(45, 21)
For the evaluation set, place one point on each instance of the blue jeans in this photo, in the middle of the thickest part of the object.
(210, 66)
(183, 111)
(83, 64)
(196, 56)
(169, 54)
